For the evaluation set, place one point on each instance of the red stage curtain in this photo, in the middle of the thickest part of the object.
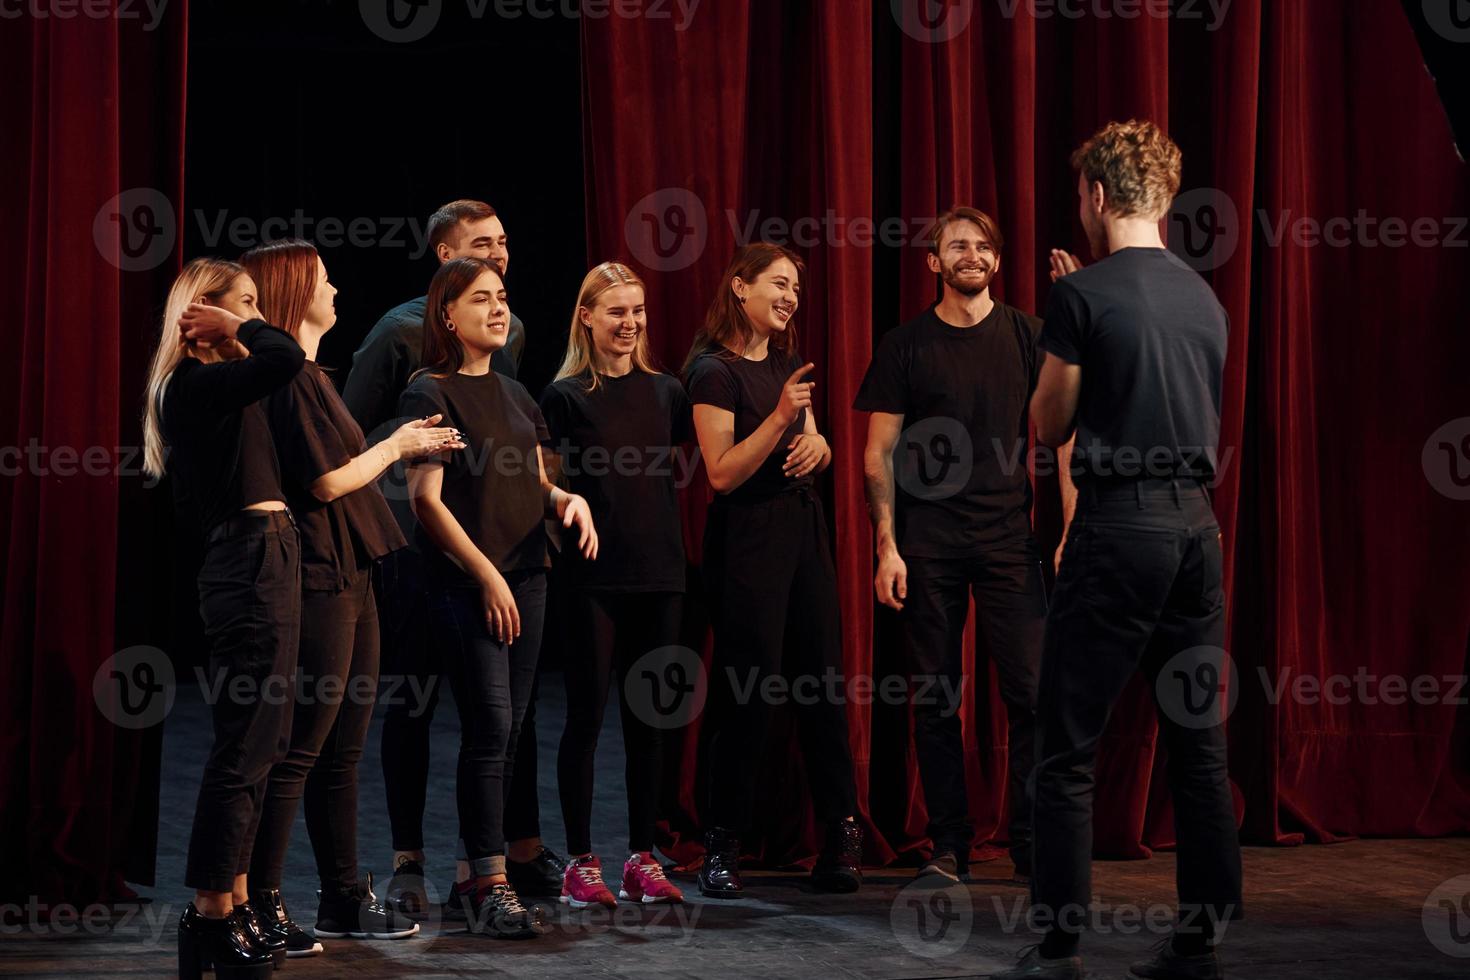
(93, 108)
(1341, 554)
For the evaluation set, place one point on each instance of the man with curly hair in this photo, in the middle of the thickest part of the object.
(1137, 347)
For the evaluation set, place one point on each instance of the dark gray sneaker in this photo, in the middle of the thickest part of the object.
(1169, 965)
(357, 914)
(1034, 966)
(940, 870)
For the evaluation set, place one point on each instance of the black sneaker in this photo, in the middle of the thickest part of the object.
(540, 877)
(940, 870)
(719, 875)
(407, 893)
(499, 913)
(1034, 966)
(270, 911)
(1169, 965)
(359, 915)
(839, 868)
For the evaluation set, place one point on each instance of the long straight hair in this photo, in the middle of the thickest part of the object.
(581, 356)
(726, 327)
(204, 277)
(285, 273)
(442, 353)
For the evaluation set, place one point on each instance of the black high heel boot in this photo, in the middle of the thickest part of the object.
(220, 945)
(719, 876)
(258, 931)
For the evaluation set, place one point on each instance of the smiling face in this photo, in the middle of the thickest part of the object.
(480, 315)
(770, 301)
(615, 322)
(967, 260)
(322, 313)
(482, 239)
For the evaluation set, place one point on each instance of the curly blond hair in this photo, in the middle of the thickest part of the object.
(1137, 165)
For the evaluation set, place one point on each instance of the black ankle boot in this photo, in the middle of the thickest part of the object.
(258, 931)
(221, 945)
(719, 876)
(839, 868)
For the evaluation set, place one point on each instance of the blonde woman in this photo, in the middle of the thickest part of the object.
(216, 360)
(615, 420)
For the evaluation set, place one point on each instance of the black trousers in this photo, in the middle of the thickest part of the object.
(411, 694)
(336, 677)
(1140, 583)
(491, 682)
(250, 601)
(773, 592)
(612, 631)
(1010, 618)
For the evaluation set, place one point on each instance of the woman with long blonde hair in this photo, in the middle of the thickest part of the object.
(216, 360)
(616, 422)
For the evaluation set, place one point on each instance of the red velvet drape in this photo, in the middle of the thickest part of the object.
(1343, 557)
(92, 109)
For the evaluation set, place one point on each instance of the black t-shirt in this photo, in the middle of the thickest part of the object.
(964, 394)
(752, 390)
(492, 487)
(315, 434)
(219, 443)
(1150, 337)
(617, 446)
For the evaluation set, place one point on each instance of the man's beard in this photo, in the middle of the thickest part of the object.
(967, 288)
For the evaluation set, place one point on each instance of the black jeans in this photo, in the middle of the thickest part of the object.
(411, 675)
(336, 677)
(1010, 618)
(1140, 583)
(250, 601)
(612, 631)
(492, 684)
(773, 593)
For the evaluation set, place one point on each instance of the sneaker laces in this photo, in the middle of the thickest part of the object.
(652, 869)
(509, 901)
(590, 873)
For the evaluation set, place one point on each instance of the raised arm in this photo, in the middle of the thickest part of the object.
(223, 387)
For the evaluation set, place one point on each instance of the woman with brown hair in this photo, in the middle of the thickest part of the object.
(481, 515)
(616, 420)
(329, 477)
(203, 418)
(767, 561)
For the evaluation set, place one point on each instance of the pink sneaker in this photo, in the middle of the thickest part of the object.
(582, 885)
(644, 881)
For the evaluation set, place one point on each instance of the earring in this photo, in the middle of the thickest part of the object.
(740, 300)
(450, 325)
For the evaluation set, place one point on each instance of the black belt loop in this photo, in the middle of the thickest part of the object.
(1174, 484)
(1138, 493)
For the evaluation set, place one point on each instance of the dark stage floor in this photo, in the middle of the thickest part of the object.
(1348, 912)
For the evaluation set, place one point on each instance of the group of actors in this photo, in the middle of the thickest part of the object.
(311, 571)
